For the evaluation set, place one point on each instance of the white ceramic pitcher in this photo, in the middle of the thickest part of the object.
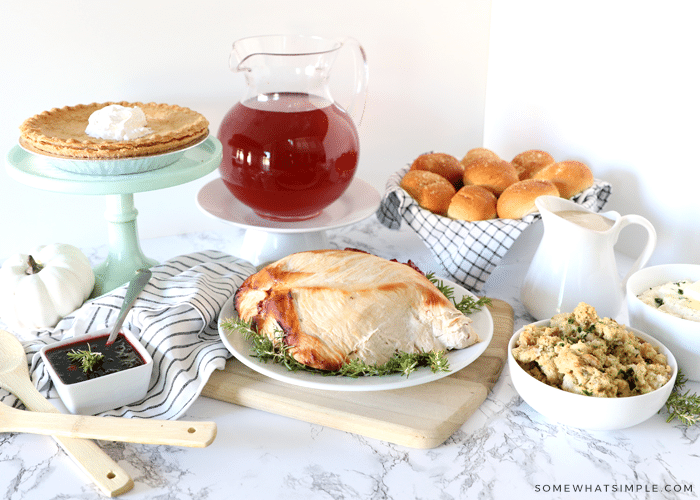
(575, 261)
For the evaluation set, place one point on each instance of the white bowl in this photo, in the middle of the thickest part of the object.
(589, 412)
(682, 336)
(106, 392)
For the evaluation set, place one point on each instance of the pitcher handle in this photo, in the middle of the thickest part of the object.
(361, 78)
(648, 248)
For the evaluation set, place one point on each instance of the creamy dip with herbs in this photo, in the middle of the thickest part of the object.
(582, 353)
(677, 298)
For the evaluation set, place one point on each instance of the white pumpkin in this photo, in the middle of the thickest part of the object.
(40, 288)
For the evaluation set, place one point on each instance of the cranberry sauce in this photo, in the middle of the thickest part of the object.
(119, 356)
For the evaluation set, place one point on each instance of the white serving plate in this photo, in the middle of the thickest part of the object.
(458, 358)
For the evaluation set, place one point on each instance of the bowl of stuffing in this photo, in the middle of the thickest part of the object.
(664, 300)
(589, 372)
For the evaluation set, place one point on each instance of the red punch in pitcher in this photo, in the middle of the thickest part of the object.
(289, 150)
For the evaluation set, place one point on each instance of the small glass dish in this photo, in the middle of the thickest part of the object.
(122, 376)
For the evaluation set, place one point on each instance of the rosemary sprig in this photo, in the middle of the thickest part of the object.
(87, 360)
(466, 305)
(266, 350)
(404, 363)
(683, 406)
(401, 362)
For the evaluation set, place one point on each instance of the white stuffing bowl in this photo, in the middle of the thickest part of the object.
(682, 336)
(589, 412)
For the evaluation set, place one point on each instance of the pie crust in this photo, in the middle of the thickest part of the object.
(60, 132)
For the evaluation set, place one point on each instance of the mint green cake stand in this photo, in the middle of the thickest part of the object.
(125, 254)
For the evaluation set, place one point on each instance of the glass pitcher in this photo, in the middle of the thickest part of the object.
(289, 150)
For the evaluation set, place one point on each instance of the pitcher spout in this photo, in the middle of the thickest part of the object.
(275, 64)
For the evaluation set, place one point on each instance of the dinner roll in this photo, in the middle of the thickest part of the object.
(472, 203)
(432, 191)
(570, 177)
(518, 199)
(479, 153)
(492, 174)
(530, 162)
(443, 164)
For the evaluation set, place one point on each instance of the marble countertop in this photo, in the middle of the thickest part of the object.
(503, 449)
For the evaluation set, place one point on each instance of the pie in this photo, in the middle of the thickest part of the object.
(60, 132)
(332, 306)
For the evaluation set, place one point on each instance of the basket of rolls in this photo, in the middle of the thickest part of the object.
(469, 212)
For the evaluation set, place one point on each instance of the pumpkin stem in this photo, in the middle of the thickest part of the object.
(34, 266)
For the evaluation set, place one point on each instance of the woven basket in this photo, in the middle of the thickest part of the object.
(469, 251)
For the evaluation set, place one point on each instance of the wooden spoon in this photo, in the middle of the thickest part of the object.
(93, 461)
(130, 430)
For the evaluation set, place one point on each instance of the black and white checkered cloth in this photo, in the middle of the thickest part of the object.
(469, 251)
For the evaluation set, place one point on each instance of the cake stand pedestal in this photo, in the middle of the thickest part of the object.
(125, 256)
(266, 241)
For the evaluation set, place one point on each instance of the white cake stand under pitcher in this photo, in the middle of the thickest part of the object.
(266, 241)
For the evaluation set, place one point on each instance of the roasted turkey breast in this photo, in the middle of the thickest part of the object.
(331, 306)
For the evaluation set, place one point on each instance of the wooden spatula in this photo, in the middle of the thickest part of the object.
(92, 460)
(130, 430)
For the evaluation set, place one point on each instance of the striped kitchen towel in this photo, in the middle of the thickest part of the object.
(174, 317)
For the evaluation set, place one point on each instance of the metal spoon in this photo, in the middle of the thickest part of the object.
(14, 377)
(132, 291)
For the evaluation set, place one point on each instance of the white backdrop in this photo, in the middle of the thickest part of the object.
(426, 87)
(613, 84)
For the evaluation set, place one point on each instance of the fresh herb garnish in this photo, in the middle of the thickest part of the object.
(466, 305)
(404, 363)
(266, 350)
(683, 406)
(87, 360)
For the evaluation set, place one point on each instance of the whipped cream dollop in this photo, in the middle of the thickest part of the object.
(117, 123)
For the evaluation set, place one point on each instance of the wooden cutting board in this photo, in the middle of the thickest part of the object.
(423, 416)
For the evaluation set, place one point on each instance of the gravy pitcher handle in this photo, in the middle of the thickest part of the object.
(648, 248)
